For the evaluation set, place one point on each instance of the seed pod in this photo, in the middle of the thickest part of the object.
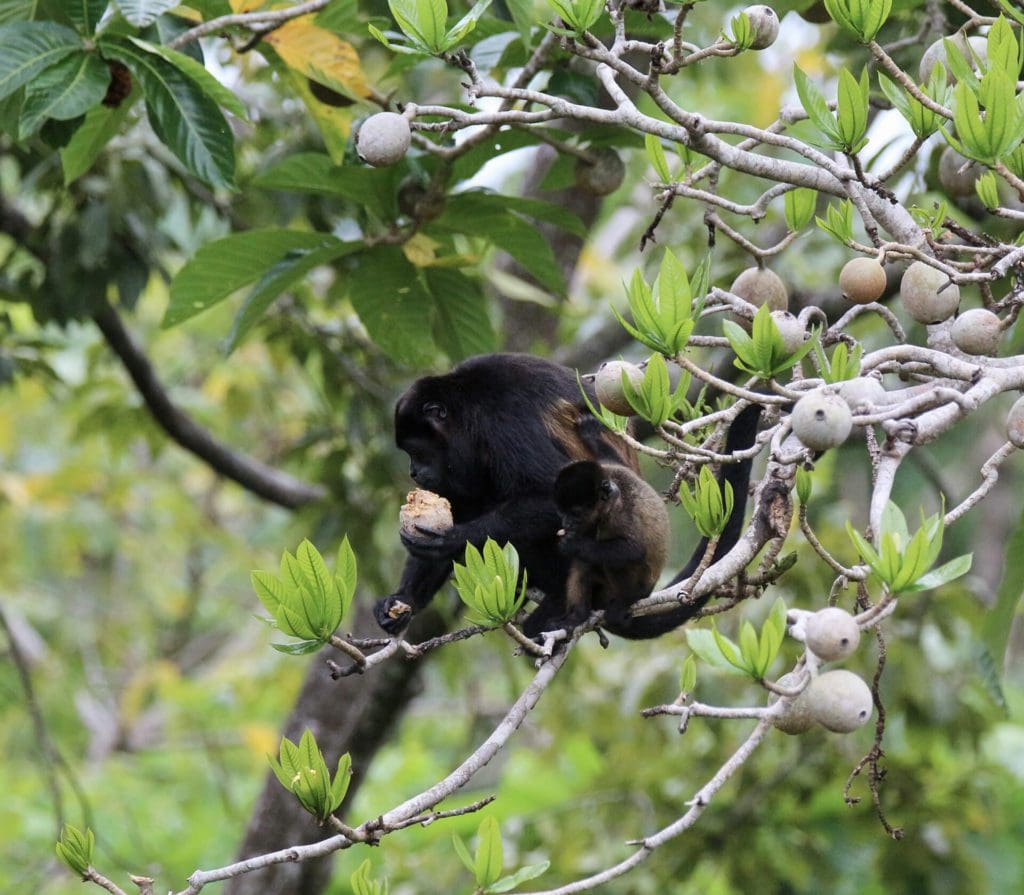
(839, 700)
(383, 139)
(608, 385)
(821, 420)
(977, 331)
(927, 293)
(832, 634)
(862, 280)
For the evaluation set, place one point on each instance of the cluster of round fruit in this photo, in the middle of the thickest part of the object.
(838, 699)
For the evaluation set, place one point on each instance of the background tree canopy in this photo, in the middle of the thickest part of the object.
(209, 304)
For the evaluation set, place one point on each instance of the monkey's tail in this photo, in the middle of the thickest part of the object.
(742, 434)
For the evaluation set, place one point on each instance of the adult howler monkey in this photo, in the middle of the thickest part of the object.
(491, 436)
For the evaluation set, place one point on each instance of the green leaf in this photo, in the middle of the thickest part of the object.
(342, 778)
(945, 573)
(28, 48)
(489, 857)
(727, 648)
(702, 642)
(392, 304)
(144, 12)
(75, 848)
(466, 24)
(799, 204)
(688, 675)
(656, 156)
(182, 116)
(292, 268)
(524, 874)
(64, 91)
(199, 74)
(100, 125)
(462, 323)
(225, 265)
(852, 111)
(815, 106)
(299, 648)
(272, 592)
(463, 853)
(84, 14)
(346, 574)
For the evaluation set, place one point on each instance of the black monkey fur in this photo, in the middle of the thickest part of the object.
(492, 436)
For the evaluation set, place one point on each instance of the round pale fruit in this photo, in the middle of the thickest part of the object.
(969, 47)
(764, 24)
(821, 420)
(383, 139)
(601, 176)
(864, 390)
(793, 332)
(761, 286)
(862, 280)
(927, 293)
(977, 331)
(1015, 424)
(795, 718)
(839, 700)
(608, 385)
(832, 634)
(958, 174)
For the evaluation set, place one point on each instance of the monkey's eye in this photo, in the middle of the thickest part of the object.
(606, 490)
(435, 410)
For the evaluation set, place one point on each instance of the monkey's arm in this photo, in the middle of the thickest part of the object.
(421, 579)
(526, 518)
(610, 553)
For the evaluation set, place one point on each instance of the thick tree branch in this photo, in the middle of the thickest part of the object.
(259, 478)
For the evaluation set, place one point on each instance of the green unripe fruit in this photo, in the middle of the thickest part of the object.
(927, 293)
(608, 385)
(603, 175)
(821, 420)
(832, 634)
(977, 331)
(862, 280)
(383, 139)
(839, 701)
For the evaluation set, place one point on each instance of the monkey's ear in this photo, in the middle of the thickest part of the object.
(578, 485)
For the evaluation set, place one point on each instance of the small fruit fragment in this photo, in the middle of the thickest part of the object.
(927, 293)
(761, 286)
(977, 331)
(383, 139)
(793, 332)
(839, 700)
(862, 280)
(1015, 424)
(764, 25)
(425, 510)
(832, 634)
(608, 385)
(821, 420)
(601, 176)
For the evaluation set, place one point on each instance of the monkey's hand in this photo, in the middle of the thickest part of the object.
(432, 545)
(392, 613)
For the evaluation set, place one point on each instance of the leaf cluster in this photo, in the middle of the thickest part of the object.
(579, 15)
(709, 504)
(902, 562)
(863, 18)
(75, 848)
(665, 314)
(762, 353)
(489, 585)
(302, 770)
(487, 863)
(923, 121)
(844, 363)
(754, 653)
(425, 25)
(306, 601)
(846, 129)
(362, 884)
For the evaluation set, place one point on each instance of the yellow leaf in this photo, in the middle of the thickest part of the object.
(246, 5)
(333, 123)
(421, 250)
(320, 55)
